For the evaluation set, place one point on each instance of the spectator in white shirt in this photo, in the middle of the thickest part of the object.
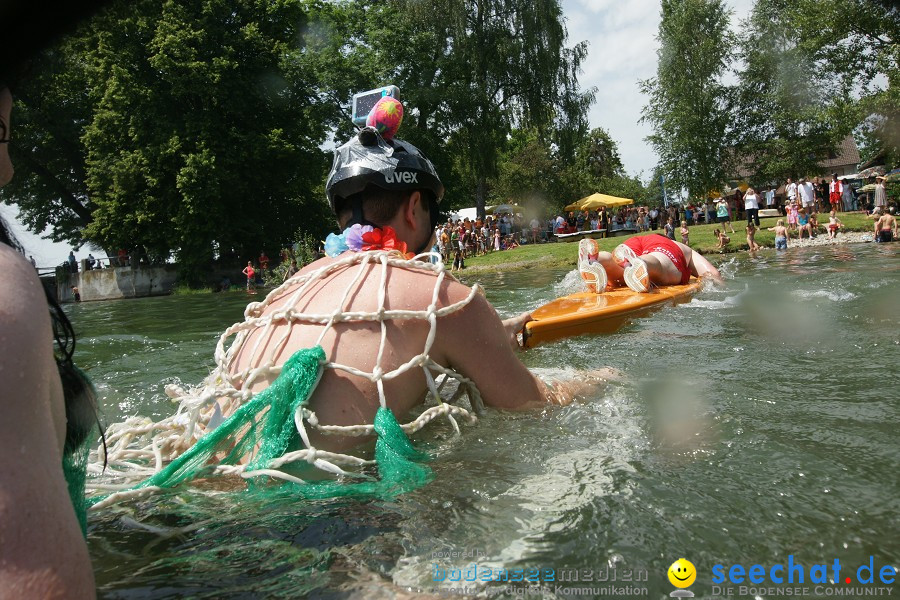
(807, 195)
(751, 206)
(791, 190)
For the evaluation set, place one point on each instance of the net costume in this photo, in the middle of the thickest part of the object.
(266, 433)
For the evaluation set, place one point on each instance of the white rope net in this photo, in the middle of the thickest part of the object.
(138, 447)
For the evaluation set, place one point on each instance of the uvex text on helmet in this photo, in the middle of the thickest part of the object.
(367, 159)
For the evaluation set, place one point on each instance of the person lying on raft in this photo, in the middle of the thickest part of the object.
(644, 261)
(390, 185)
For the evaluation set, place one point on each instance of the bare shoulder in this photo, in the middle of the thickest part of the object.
(26, 351)
(21, 296)
(410, 287)
(43, 554)
(25, 331)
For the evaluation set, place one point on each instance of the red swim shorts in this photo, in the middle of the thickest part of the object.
(645, 244)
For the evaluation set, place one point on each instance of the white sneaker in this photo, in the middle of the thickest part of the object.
(623, 255)
(594, 276)
(637, 277)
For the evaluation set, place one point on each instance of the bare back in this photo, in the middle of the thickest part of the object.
(472, 341)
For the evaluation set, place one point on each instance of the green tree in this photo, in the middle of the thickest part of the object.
(687, 101)
(856, 44)
(595, 167)
(471, 72)
(180, 127)
(526, 169)
(598, 156)
(789, 113)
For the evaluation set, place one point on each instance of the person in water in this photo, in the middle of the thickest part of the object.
(722, 240)
(647, 260)
(250, 273)
(752, 246)
(48, 405)
(885, 228)
(781, 235)
(391, 186)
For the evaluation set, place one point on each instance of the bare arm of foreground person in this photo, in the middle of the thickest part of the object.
(475, 342)
(42, 551)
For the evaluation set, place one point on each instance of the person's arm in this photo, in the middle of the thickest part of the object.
(474, 341)
(43, 553)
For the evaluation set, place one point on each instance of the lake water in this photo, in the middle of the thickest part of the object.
(755, 422)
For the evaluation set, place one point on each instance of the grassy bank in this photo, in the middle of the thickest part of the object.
(702, 239)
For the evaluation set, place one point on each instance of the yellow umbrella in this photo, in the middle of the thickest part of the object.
(597, 200)
(573, 206)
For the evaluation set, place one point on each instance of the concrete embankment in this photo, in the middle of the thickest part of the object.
(116, 282)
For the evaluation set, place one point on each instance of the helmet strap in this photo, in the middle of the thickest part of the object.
(358, 218)
(433, 217)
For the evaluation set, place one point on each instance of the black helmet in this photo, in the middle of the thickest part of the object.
(370, 159)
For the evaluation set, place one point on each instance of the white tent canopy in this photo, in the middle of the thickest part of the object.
(464, 213)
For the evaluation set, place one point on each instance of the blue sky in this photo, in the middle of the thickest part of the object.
(621, 36)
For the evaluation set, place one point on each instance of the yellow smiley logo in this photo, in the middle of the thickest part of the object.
(682, 573)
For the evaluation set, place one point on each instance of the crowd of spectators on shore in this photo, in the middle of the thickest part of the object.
(456, 240)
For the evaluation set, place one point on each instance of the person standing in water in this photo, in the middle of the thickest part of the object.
(49, 407)
(886, 228)
(752, 246)
(362, 190)
(251, 275)
(781, 235)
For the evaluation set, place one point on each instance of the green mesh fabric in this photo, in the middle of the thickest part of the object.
(75, 471)
(267, 422)
(400, 467)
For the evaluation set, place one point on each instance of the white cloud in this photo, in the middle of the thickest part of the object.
(622, 50)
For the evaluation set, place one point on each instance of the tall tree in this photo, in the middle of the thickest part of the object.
(789, 112)
(855, 44)
(526, 169)
(598, 155)
(687, 105)
(472, 71)
(186, 127)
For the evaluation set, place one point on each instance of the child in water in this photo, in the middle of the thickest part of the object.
(834, 224)
(723, 239)
(684, 233)
(781, 235)
(752, 246)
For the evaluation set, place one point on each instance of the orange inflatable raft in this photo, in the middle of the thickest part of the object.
(587, 312)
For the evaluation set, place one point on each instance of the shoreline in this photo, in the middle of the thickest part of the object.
(848, 237)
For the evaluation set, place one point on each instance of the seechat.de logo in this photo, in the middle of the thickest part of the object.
(682, 574)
